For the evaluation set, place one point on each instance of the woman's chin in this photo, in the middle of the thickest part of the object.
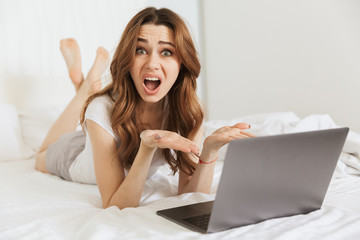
(152, 98)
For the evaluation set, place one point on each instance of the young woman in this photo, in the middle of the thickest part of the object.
(148, 116)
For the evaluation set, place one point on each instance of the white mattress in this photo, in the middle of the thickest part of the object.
(34, 205)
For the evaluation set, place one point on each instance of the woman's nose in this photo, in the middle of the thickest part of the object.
(153, 62)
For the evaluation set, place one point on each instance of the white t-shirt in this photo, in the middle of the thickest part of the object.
(82, 169)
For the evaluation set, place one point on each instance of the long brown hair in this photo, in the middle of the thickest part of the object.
(183, 110)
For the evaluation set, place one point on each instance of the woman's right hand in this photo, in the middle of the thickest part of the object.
(167, 139)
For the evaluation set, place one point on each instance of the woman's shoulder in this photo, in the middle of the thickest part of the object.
(99, 108)
(99, 111)
(100, 104)
(103, 100)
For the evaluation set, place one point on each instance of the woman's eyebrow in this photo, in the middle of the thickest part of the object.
(167, 43)
(160, 42)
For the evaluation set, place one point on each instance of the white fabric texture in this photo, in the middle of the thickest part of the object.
(288, 122)
(39, 206)
(34, 205)
(82, 169)
(11, 143)
(36, 122)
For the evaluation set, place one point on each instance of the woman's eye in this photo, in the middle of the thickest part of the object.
(140, 51)
(166, 53)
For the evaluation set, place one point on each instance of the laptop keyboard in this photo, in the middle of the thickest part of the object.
(201, 221)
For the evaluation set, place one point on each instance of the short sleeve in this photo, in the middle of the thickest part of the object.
(99, 111)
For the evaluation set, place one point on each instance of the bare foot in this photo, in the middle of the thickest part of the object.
(71, 53)
(101, 62)
(92, 83)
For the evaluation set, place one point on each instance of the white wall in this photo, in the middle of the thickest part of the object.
(258, 56)
(280, 55)
(32, 70)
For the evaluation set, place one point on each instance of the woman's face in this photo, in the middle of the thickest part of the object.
(156, 64)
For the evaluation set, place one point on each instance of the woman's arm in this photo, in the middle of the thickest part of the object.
(115, 188)
(201, 181)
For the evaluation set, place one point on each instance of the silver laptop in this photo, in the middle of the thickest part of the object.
(267, 177)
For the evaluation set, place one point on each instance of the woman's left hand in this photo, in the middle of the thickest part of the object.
(220, 137)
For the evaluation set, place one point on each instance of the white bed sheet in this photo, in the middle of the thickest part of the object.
(39, 206)
(34, 205)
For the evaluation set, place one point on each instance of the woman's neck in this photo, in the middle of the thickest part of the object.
(151, 115)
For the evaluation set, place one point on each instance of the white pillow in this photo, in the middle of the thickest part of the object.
(257, 122)
(12, 146)
(36, 122)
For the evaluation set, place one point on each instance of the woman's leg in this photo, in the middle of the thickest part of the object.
(68, 120)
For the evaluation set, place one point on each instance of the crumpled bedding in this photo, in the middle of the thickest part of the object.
(34, 205)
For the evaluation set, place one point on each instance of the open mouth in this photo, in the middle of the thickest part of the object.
(152, 83)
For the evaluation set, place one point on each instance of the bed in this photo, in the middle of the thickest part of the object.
(34, 205)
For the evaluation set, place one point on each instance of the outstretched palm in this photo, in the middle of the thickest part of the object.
(222, 136)
(167, 139)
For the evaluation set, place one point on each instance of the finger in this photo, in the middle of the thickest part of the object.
(242, 126)
(196, 154)
(248, 134)
(239, 131)
(178, 143)
(193, 147)
(239, 136)
(236, 132)
(185, 148)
